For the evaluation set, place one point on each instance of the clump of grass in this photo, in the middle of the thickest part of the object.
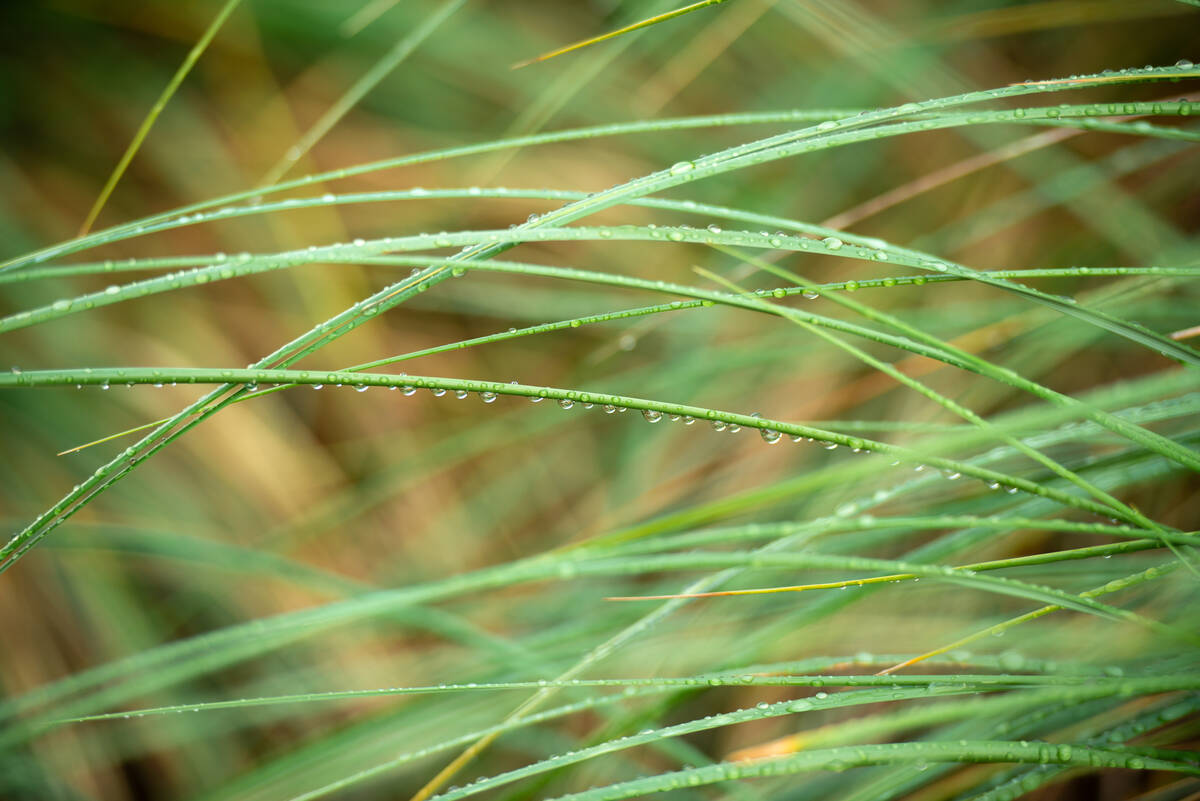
(682, 490)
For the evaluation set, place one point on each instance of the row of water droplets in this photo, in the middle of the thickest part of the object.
(585, 401)
(1182, 66)
(224, 267)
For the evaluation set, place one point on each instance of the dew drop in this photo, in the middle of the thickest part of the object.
(461, 394)
(680, 167)
(769, 436)
(487, 397)
(832, 243)
(566, 403)
(652, 415)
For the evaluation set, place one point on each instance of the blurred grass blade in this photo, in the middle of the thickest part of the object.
(192, 57)
(351, 97)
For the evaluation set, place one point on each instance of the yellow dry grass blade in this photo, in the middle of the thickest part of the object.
(627, 29)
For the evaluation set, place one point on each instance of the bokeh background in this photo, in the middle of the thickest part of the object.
(304, 498)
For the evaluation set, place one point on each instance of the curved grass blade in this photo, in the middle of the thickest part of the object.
(908, 110)
(1083, 116)
(843, 758)
(652, 409)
